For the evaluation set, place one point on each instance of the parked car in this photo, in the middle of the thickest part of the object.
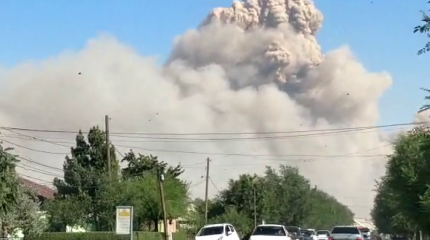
(309, 234)
(345, 233)
(323, 234)
(270, 232)
(365, 232)
(221, 231)
(295, 232)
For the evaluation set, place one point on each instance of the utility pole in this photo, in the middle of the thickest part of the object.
(108, 146)
(163, 203)
(207, 190)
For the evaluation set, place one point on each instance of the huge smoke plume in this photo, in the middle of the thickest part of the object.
(253, 67)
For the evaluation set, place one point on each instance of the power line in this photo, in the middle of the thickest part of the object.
(132, 138)
(218, 133)
(213, 184)
(209, 153)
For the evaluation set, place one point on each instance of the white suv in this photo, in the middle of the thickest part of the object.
(222, 231)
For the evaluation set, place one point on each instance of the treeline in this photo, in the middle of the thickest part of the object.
(402, 202)
(88, 194)
(279, 196)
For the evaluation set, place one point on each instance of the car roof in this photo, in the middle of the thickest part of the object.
(270, 225)
(216, 225)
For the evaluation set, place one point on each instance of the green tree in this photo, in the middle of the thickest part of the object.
(385, 214)
(143, 194)
(327, 211)
(27, 216)
(66, 211)
(408, 176)
(8, 179)
(240, 194)
(9, 186)
(239, 220)
(141, 164)
(85, 172)
(282, 196)
(425, 29)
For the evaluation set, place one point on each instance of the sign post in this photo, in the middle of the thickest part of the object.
(124, 221)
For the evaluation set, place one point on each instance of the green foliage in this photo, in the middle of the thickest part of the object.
(282, 196)
(239, 220)
(107, 236)
(85, 172)
(24, 215)
(141, 164)
(8, 180)
(403, 194)
(425, 29)
(88, 198)
(327, 211)
(426, 106)
(143, 194)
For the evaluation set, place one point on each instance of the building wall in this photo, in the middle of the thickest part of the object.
(171, 226)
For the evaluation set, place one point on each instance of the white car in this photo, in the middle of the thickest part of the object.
(222, 231)
(323, 234)
(270, 232)
(345, 233)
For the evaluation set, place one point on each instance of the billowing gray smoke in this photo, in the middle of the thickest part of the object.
(254, 67)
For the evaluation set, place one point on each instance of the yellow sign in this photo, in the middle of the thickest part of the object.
(124, 213)
(124, 220)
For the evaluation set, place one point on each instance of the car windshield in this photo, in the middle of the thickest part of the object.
(322, 232)
(306, 232)
(364, 230)
(345, 230)
(269, 231)
(207, 231)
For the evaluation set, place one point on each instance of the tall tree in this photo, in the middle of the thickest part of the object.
(408, 175)
(385, 214)
(85, 171)
(402, 201)
(138, 165)
(9, 185)
(326, 211)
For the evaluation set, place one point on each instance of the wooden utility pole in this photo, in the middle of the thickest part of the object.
(207, 190)
(108, 146)
(163, 203)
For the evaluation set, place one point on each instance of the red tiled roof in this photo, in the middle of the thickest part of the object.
(41, 190)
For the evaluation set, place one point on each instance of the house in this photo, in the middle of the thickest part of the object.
(43, 192)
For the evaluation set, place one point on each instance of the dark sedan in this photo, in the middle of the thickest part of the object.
(308, 234)
(295, 232)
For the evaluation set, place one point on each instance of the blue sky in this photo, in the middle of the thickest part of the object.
(378, 31)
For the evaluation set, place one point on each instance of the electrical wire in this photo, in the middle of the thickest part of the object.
(217, 133)
(32, 138)
(213, 184)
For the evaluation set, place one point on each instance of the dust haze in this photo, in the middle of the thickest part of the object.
(253, 67)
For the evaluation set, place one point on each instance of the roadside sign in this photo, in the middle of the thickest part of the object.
(124, 220)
